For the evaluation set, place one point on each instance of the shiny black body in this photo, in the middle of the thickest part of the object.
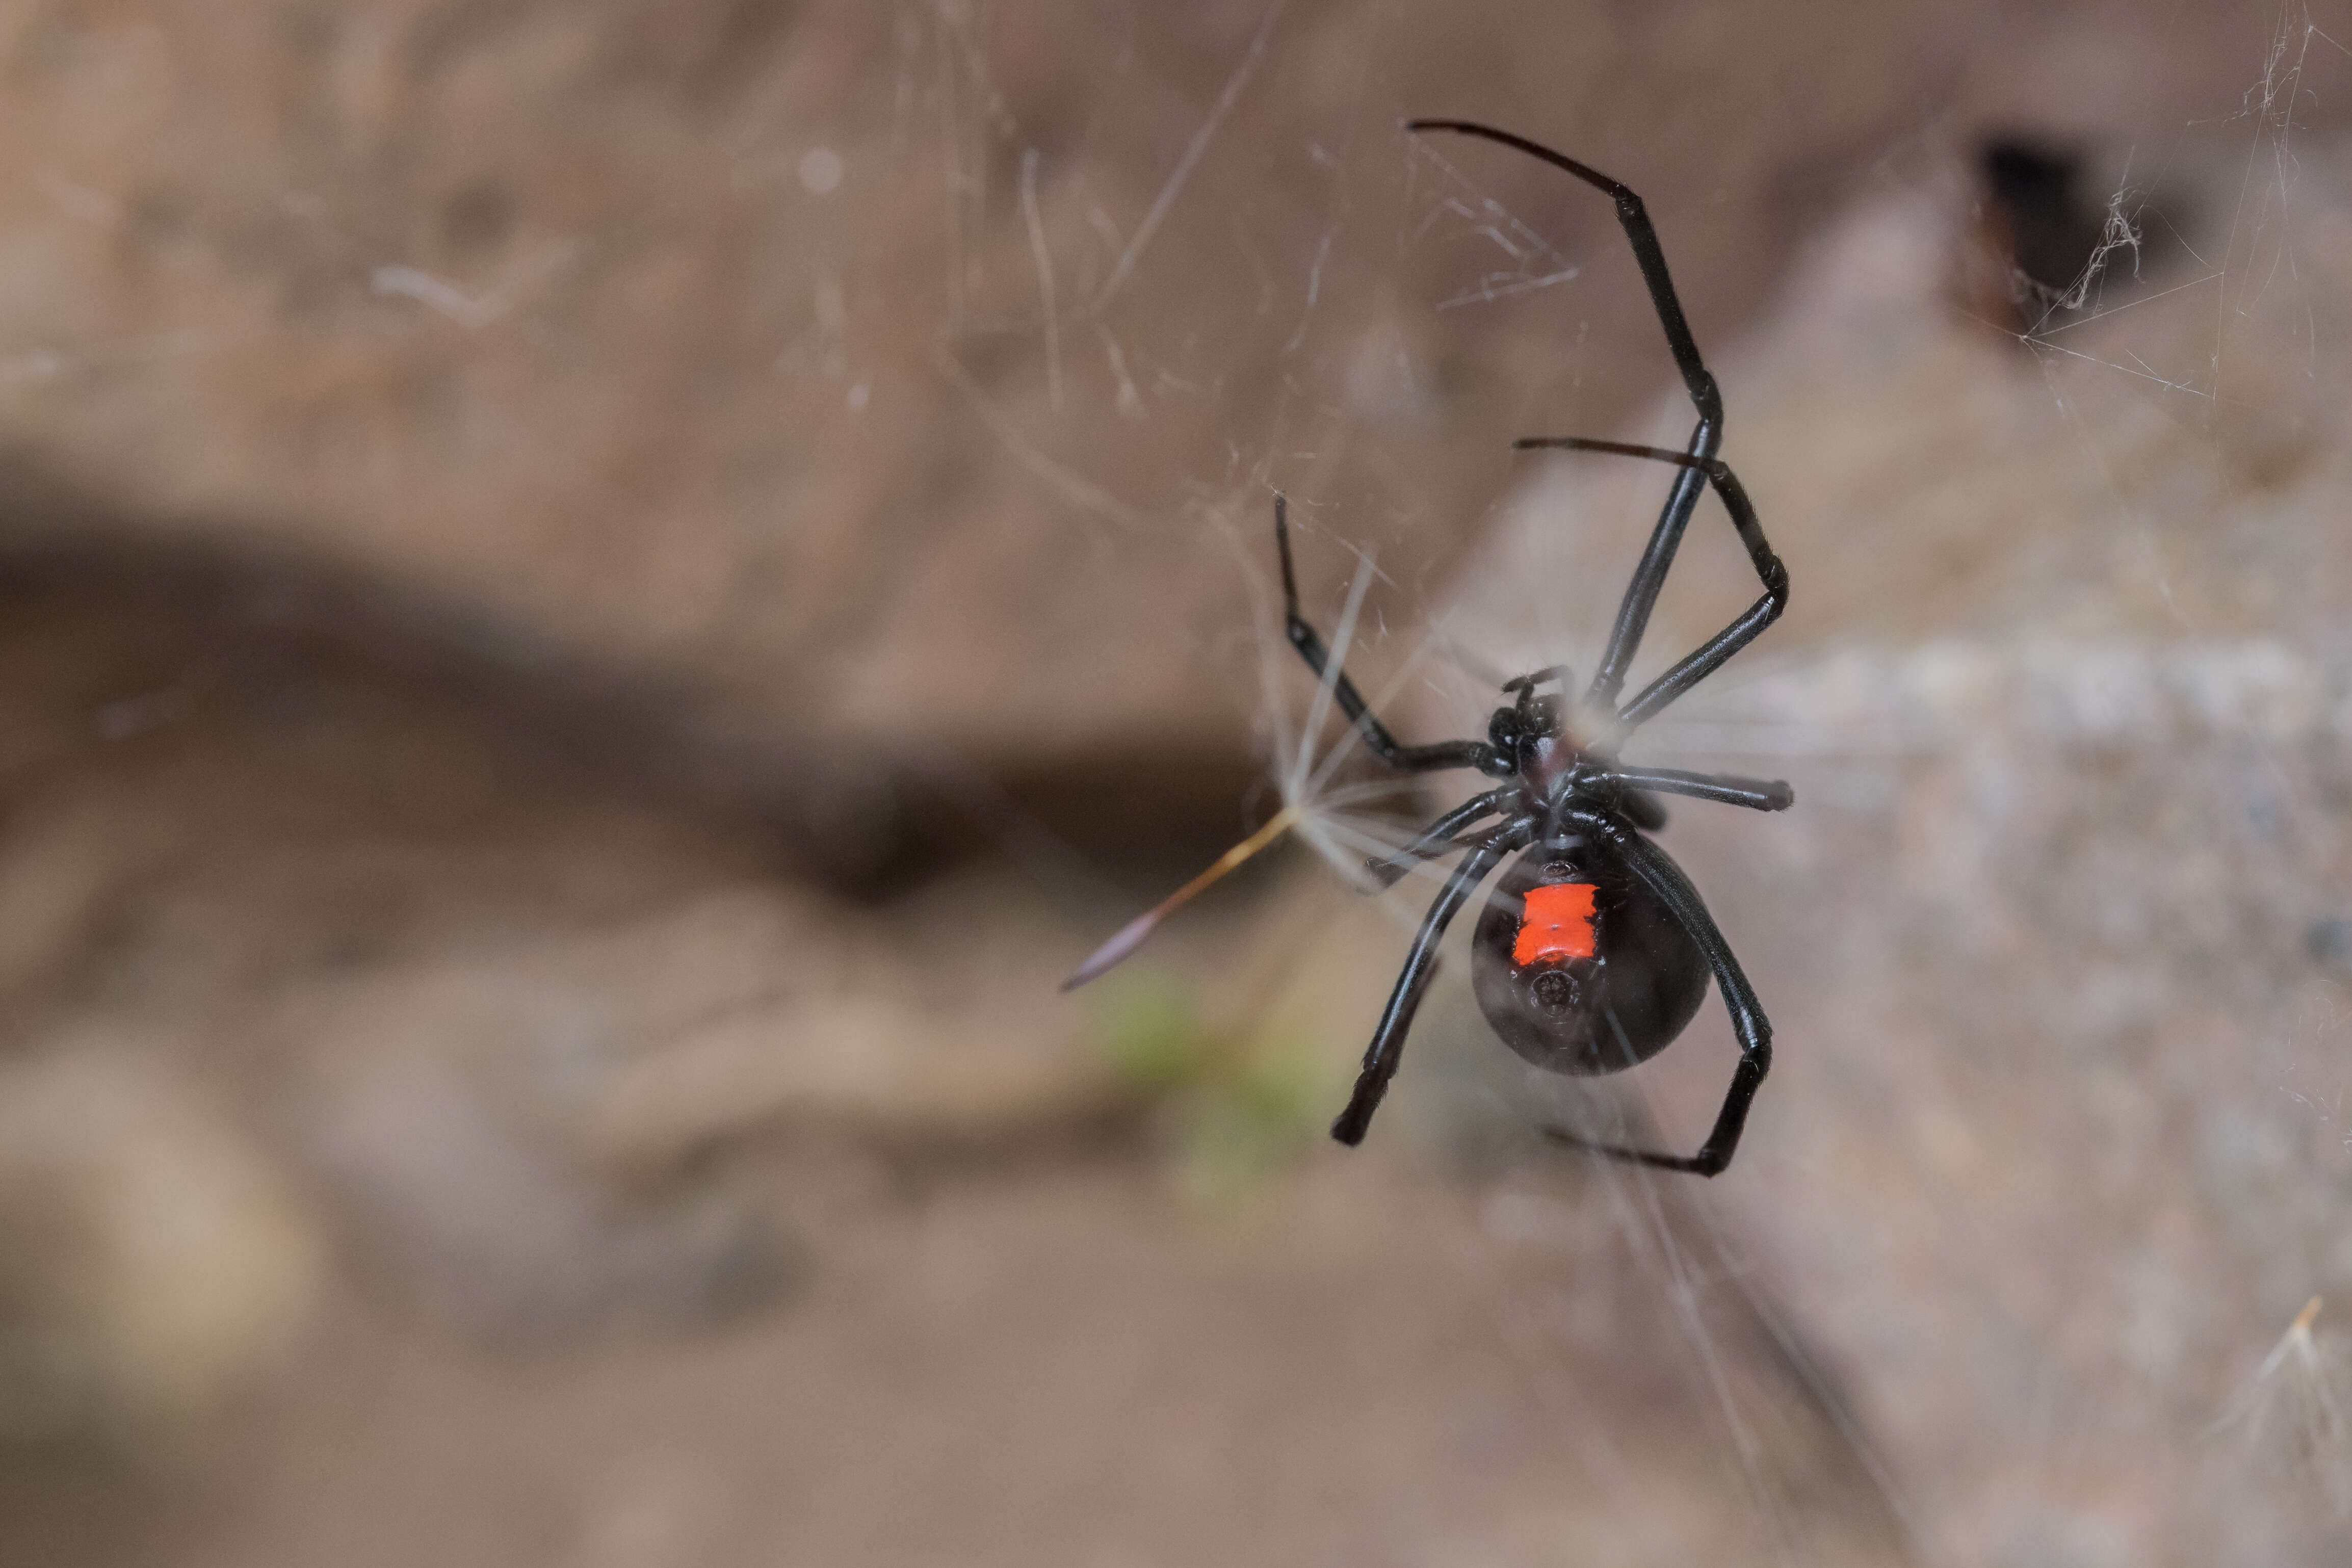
(1571, 810)
(1602, 1014)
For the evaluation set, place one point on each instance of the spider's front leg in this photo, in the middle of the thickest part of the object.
(1665, 539)
(1309, 643)
(1387, 1050)
(1664, 877)
(1710, 656)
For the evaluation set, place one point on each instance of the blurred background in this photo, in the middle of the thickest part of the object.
(598, 602)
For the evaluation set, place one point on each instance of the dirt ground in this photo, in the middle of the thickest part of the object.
(498, 1247)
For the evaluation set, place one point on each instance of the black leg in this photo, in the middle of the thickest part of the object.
(1438, 838)
(1647, 254)
(1641, 593)
(1710, 655)
(1759, 795)
(1409, 758)
(1665, 878)
(1387, 1048)
(1650, 576)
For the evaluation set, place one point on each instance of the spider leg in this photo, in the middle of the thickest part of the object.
(1438, 838)
(1649, 576)
(1303, 636)
(1647, 254)
(1665, 878)
(1757, 795)
(1710, 656)
(1387, 1048)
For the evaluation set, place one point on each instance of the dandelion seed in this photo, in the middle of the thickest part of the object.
(2297, 1401)
(1320, 811)
(1132, 936)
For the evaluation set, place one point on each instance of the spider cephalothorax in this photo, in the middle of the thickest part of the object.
(1593, 951)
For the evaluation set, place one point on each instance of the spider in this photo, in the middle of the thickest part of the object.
(1593, 951)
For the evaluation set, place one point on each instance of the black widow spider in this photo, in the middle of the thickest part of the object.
(1593, 951)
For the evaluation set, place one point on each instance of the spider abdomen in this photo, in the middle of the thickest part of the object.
(1578, 965)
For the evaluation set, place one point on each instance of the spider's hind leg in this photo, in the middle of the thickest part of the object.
(1664, 877)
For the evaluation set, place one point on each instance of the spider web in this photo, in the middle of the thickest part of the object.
(931, 404)
(936, 399)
